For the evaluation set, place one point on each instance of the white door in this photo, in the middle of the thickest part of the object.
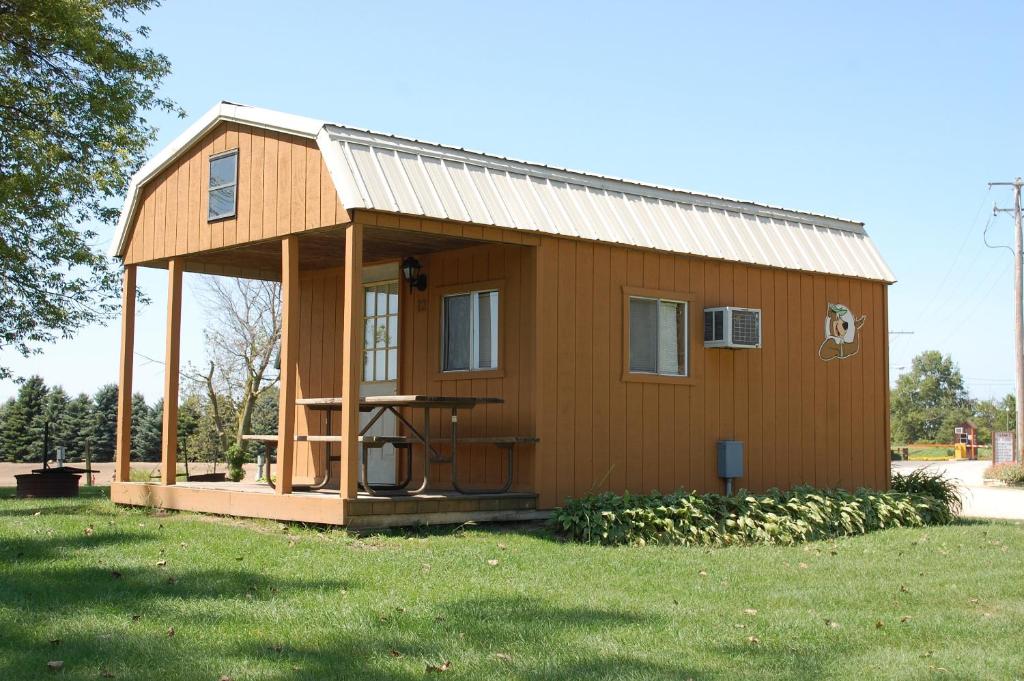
(380, 360)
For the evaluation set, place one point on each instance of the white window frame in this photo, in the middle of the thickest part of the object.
(657, 326)
(474, 330)
(234, 185)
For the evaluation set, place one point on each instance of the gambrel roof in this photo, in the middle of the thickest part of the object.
(394, 174)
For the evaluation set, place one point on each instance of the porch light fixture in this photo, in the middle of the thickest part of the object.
(411, 271)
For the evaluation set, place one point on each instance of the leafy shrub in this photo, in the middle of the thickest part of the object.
(236, 457)
(775, 517)
(1010, 473)
(935, 485)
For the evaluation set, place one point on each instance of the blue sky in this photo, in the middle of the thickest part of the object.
(895, 114)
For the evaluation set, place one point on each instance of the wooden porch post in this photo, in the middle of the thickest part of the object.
(124, 394)
(289, 364)
(169, 455)
(352, 360)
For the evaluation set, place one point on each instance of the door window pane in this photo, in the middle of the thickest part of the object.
(380, 332)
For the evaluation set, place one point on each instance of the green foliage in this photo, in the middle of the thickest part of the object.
(929, 400)
(104, 423)
(935, 485)
(1009, 473)
(995, 415)
(775, 517)
(21, 433)
(74, 87)
(236, 457)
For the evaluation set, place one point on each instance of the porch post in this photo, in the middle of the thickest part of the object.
(289, 363)
(352, 360)
(124, 394)
(169, 454)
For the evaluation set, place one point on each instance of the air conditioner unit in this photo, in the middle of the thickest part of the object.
(732, 327)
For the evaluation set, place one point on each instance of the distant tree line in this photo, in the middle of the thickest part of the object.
(89, 422)
(931, 399)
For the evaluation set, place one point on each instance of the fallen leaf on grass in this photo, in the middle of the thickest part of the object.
(975, 601)
(136, 618)
(161, 563)
(502, 546)
(443, 667)
(905, 619)
(88, 531)
(831, 624)
(394, 653)
(225, 677)
(504, 657)
(753, 640)
(740, 626)
(492, 562)
(170, 632)
(40, 513)
(55, 665)
(879, 624)
(803, 566)
(904, 589)
(703, 573)
(749, 611)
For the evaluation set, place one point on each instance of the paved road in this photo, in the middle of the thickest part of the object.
(980, 501)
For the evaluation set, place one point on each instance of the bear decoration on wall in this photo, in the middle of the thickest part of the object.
(842, 339)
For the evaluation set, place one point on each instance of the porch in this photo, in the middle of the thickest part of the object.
(337, 283)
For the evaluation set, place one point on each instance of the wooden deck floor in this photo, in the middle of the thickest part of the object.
(257, 500)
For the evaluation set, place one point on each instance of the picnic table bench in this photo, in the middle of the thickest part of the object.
(384, 403)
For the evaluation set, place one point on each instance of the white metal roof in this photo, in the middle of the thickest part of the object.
(400, 175)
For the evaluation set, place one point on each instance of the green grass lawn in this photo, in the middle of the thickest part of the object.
(103, 589)
(934, 452)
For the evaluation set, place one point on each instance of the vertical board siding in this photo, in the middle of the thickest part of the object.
(802, 420)
(283, 188)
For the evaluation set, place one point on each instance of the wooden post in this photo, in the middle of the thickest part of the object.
(169, 456)
(352, 360)
(124, 395)
(289, 363)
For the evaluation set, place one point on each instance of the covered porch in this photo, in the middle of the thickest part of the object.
(354, 330)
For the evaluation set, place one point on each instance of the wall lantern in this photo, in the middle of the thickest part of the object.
(411, 271)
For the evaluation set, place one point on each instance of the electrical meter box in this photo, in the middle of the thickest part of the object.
(730, 459)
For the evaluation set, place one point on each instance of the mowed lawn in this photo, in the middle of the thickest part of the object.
(133, 594)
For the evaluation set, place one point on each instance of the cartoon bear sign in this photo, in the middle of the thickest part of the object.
(841, 338)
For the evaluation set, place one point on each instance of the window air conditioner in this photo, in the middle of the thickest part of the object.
(732, 327)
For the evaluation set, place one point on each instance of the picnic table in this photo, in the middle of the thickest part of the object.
(379, 405)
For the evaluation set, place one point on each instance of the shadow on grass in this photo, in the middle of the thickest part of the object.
(542, 641)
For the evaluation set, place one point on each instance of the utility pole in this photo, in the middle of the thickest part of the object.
(1018, 296)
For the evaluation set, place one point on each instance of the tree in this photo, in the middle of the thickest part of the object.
(77, 425)
(242, 338)
(995, 415)
(929, 400)
(103, 430)
(73, 90)
(21, 434)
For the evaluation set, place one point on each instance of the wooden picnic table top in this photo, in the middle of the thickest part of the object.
(420, 401)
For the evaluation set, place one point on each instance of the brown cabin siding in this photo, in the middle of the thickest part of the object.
(802, 420)
(283, 188)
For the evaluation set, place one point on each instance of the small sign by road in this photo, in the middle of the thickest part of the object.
(1002, 447)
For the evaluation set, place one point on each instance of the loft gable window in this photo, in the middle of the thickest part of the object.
(658, 336)
(223, 186)
(469, 331)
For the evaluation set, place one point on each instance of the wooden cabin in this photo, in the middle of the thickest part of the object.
(619, 329)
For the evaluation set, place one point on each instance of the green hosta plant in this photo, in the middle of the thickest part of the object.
(774, 517)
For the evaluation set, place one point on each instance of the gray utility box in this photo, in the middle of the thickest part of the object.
(730, 459)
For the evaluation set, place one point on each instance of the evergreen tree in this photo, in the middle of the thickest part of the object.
(150, 436)
(264, 415)
(22, 434)
(76, 425)
(54, 410)
(103, 431)
(140, 416)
